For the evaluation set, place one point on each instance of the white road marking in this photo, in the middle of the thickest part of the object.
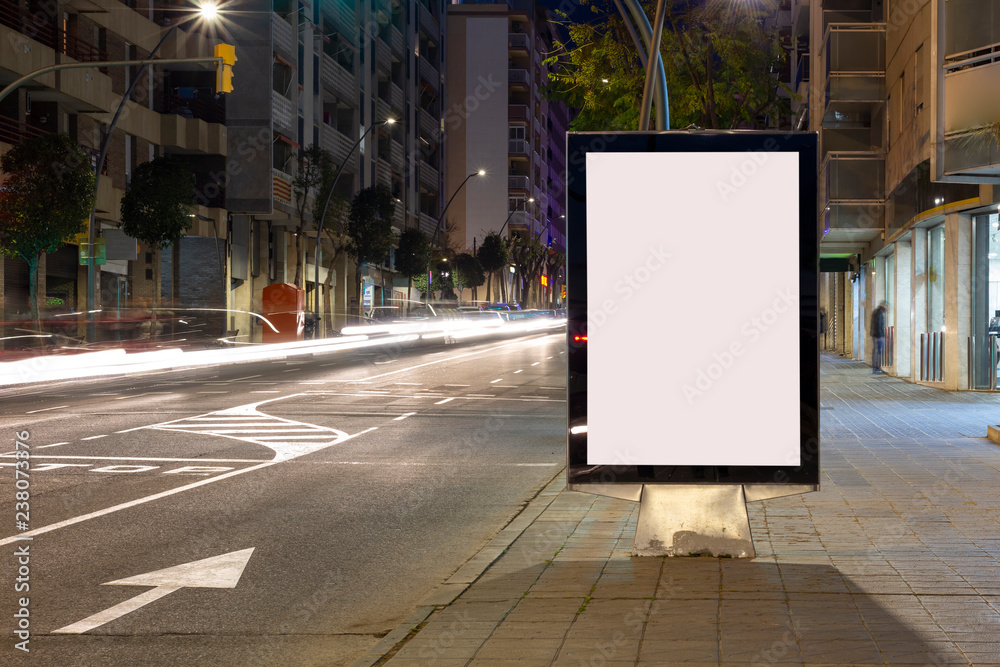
(557, 388)
(458, 385)
(213, 392)
(536, 363)
(411, 383)
(95, 437)
(222, 571)
(137, 458)
(497, 380)
(57, 407)
(516, 372)
(457, 356)
(54, 444)
(548, 357)
(266, 391)
(445, 401)
(155, 496)
(404, 416)
(481, 395)
(249, 377)
(536, 465)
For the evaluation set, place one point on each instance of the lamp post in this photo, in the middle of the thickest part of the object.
(437, 228)
(531, 200)
(326, 204)
(209, 12)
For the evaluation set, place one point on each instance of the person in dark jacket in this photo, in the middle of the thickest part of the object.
(878, 336)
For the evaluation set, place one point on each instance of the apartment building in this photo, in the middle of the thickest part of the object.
(172, 111)
(900, 92)
(324, 74)
(497, 120)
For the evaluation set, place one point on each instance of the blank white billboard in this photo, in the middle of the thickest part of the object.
(693, 309)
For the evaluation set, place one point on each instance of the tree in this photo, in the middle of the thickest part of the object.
(315, 170)
(528, 255)
(468, 271)
(45, 199)
(369, 228)
(554, 261)
(721, 62)
(444, 280)
(492, 256)
(156, 207)
(412, 255)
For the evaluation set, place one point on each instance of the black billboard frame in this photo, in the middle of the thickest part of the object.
(578, 472)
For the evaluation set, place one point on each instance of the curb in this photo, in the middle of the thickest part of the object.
(466, 575)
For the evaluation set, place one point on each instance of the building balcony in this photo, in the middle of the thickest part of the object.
(518, 41)
(399, 216)
(396, 156)
(426, 20)
(971, 101)
(854, 176)
(204, 108)
(283, 113)
(396, 99)
(383, 173)
(281, 186)
(517, 112)
(383, 57)
(428, 224)
(38, 27)
(430, 127)
(396, 41)
(13, 132)
(283, 37)
(428, 72)
(518, 77)
(854, 56)
(343, 17)
(518, 147)
(429, 176)
(338, 144)
(519, 220)
(339, 80)
(518, 184)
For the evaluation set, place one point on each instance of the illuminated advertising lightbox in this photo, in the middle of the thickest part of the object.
(692, 282)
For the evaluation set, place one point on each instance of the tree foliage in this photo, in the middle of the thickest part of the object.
(314, 171)
(528, 255)
(413, 253)
(469, 271)
(369, 228)
(492, 255)
(156, 206)
(721, 61)
(45, 198)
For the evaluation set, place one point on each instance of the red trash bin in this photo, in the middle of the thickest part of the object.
(284, 307)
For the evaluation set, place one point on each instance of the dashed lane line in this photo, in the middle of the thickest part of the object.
(404, 416)
(55, 407)
(95, 437)
(447, 400)
(54, 444)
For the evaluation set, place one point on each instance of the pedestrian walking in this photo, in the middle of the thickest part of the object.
(823, 325)
(878, 336)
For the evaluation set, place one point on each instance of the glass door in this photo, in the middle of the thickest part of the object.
(985, 339)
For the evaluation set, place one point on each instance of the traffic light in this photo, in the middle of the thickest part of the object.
(224, 70)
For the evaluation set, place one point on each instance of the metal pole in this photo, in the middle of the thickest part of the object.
(639, 48)
(654, 45)
(660, 82)
(438, 227)
(326, 205)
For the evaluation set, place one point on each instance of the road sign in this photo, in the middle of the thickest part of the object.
(222, 571)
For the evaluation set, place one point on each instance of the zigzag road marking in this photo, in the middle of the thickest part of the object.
(288, 438)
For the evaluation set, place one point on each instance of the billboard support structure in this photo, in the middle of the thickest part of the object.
(733, 337)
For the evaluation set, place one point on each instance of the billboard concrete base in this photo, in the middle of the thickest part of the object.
(693, 520)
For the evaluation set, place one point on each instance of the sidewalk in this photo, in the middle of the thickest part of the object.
(895, 562)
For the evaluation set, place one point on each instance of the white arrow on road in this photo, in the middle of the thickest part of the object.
(223, 571)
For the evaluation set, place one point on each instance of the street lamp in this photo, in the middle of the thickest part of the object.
(326, 204)
(531, 200)
(441, 218)
(208, 12)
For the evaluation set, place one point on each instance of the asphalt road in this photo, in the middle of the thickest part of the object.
(343, 487)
